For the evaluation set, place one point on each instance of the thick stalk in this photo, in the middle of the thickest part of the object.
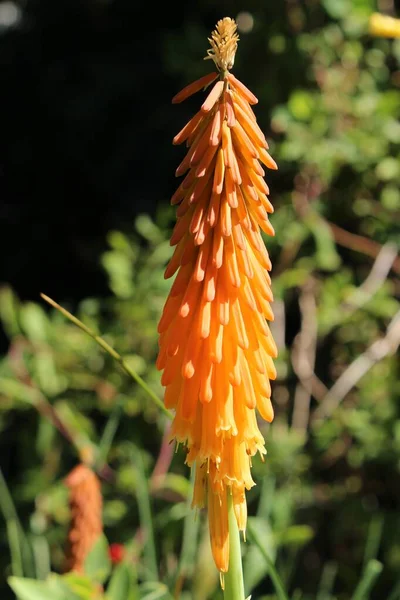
(234, 587)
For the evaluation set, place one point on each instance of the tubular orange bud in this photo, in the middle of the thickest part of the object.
(230, 111)
(212, 97)
(215, 347)
(244, 143)
(267, 160)
(194, 87)
(242, 89)
(219, 173)
(216, 126)
(252, 130)
(189, 128)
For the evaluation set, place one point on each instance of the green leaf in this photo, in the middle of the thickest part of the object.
(34, 322)
(296, 535)
(155, 591)
(80, 585)
(388, 169)
(30, 589)
(337, 8)
(187, 561)
(20, 548)
(148, 229)
(260, 542)
(255, 568)
(302, 105)
(9, 306)
(176, 483)
(326, 253)
(120, 272)
(52, 589)
(98, 564)
(122, 585)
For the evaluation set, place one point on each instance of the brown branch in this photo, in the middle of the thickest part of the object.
(360, 244)
(307, 188)
(163, 462)
(278, 325)
(386, 346)
(303, 355)
(42, 405)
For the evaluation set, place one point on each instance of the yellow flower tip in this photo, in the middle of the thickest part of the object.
(222, 581)
(384, 26)
(223, 41)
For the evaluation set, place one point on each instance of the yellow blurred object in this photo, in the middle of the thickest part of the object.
(384, 26)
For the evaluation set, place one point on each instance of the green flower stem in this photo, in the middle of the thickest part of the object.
(234, 586)
(112, 353)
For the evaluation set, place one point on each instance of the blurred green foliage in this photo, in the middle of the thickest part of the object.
(326, 504)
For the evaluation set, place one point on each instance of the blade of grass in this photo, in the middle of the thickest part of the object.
(155, 591)
(327, 580)
(395, 593)
(254, 568)
(275, 578)
(265, 502)
(189, 541)
(374, 537)
(21, 555)
(108, 434)
(145, 516)
(103, 344)
(15, 548)
(41, 552)
(370, 575)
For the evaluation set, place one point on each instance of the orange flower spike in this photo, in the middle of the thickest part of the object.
(216, 350)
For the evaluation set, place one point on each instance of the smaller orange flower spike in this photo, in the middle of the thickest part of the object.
(86, 515)
(216, 348)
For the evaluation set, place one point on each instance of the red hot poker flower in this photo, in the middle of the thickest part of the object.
(86, 512)
(216, 348)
